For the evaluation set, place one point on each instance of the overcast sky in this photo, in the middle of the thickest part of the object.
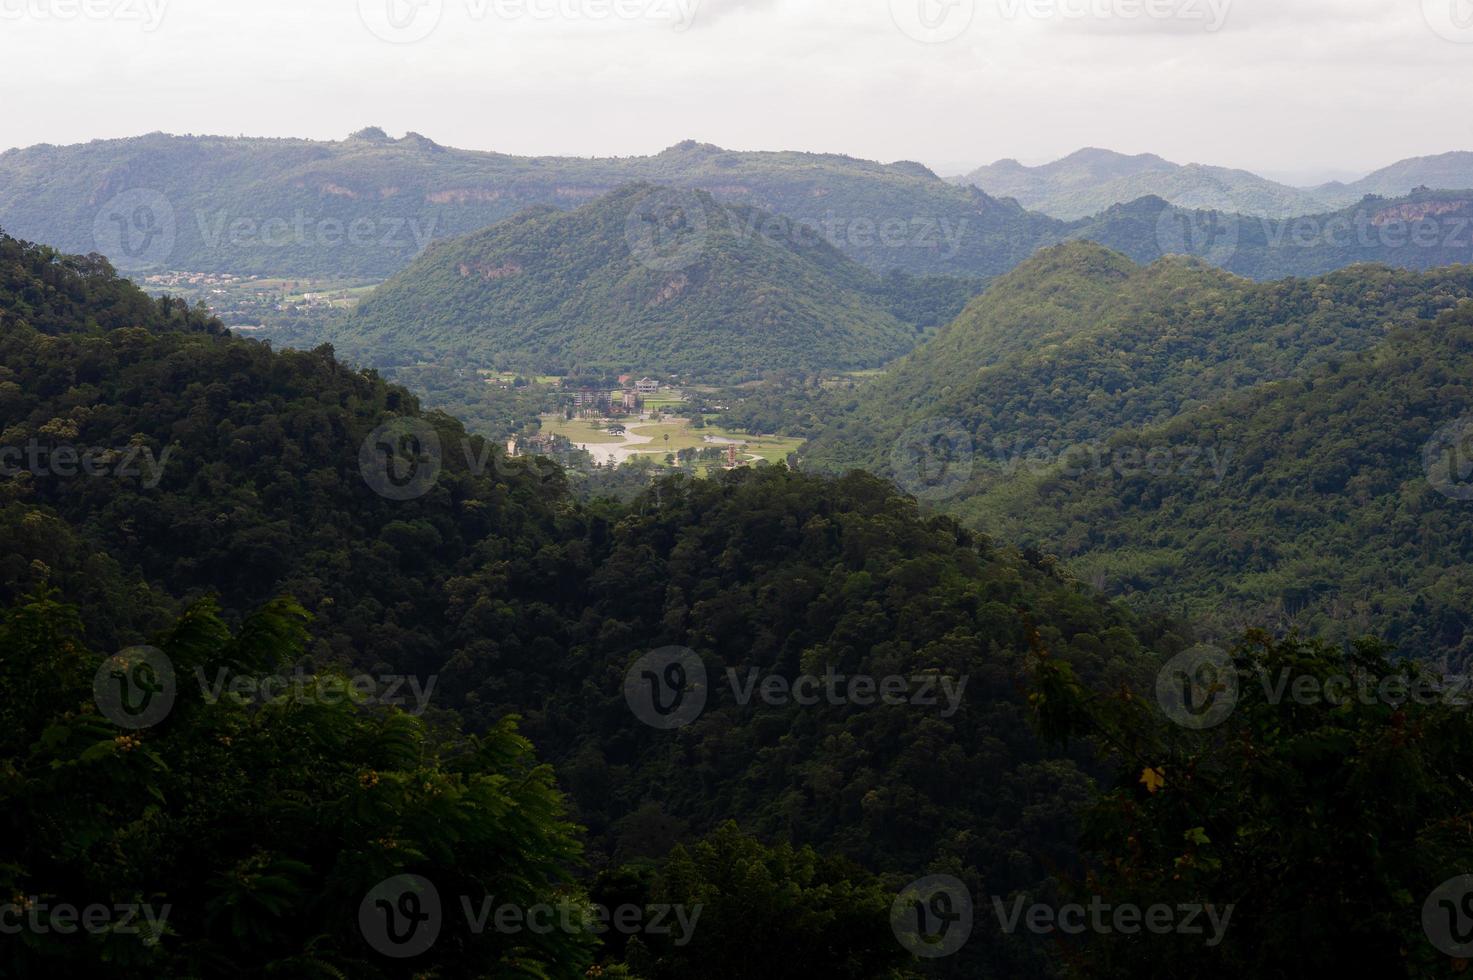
(1280, 86)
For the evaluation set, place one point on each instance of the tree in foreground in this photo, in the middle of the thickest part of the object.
(265, 835)
(1323, 793)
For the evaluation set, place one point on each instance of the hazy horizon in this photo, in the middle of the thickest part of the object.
(1306, 177)
(1271, 86)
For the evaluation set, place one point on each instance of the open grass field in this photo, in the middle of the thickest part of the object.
(848, 379)
(338, 293)
(508, 377)
(578, 430)
(681, 435)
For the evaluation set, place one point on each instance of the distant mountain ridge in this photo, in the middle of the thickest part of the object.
(366, 205)
(1091, 180)
(1423, 230)
(1445, 171)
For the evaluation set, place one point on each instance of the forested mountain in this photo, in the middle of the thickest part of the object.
(649, 281)
(1091, 180)
(1080, 341)
(1342, 509)
(1078, 358)
(516, 599)
(366, 205)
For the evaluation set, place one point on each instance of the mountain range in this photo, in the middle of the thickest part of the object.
(649, 279)
(1422, 230)
(1091, 180)
(368, 204)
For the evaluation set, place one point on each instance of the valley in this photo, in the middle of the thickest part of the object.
(563, 548)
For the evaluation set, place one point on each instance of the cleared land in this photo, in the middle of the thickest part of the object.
(681, 435)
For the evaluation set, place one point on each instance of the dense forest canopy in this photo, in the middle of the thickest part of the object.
(256, 513)
(500, 594)
(1239, 454)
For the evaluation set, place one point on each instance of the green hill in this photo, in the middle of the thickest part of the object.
(646, 280)
(1080, 341)
(1337, 512)
(1060, 362)
(366, 205)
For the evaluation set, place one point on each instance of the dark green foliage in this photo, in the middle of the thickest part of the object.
(260, 491)
(56, 293)
(1324, 518)
(253, 832)
(262, 825)
(519, 600)
(1276, 430)
(793, 575)
(1326, 822)
(1079, 341)
(779, 912)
